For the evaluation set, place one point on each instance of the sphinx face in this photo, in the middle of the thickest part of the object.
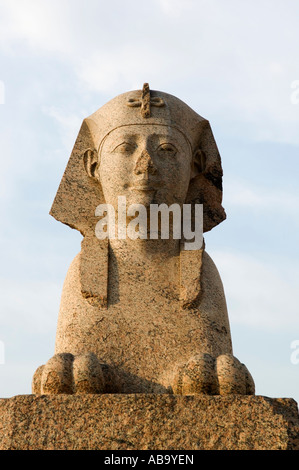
(148, 164)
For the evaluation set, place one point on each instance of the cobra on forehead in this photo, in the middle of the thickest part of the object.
(146, 107)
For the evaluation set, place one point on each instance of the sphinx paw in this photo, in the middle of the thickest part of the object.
(203, 374)
(68, 374)
(233, 376)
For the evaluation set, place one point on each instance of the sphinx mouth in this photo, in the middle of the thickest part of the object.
(143, 188)
(146, 187)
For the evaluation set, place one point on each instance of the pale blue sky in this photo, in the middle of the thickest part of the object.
(234, 63)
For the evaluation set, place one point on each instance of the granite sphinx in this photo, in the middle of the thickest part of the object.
(142, 315)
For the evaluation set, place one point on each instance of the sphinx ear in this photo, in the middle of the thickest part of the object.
(90, 162)
(198, 163)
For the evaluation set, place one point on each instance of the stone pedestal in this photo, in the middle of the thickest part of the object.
(148, 422)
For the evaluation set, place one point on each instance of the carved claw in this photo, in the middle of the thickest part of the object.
(73, 374)
(203, 374)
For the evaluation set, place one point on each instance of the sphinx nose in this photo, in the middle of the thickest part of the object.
(145, 165)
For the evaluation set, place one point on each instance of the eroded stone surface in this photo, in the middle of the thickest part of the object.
(148, 422)
(143, 308)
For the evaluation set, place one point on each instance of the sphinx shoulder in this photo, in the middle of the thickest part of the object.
(211, 282)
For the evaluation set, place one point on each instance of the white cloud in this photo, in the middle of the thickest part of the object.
(34, 307)
(175, 8)
(2, 92)
(224, 57)
(6, 136)
(69, 123)
(126, 68)
(259, 294)
(41, 24)
(240, 194)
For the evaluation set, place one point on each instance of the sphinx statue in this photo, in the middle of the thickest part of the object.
(142, 315)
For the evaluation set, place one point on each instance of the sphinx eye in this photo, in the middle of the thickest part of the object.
(166, 149)
(125, 148)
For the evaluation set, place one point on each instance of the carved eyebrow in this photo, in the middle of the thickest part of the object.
(163, 145)
(130, 144)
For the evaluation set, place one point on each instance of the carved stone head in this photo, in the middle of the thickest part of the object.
(148, 146)
(141, 122)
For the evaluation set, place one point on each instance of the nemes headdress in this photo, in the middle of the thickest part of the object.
(78, 195)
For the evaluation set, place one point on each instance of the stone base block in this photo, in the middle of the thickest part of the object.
(148, 422)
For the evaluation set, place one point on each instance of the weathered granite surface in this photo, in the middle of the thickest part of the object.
(148, 422)
(142, 315)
